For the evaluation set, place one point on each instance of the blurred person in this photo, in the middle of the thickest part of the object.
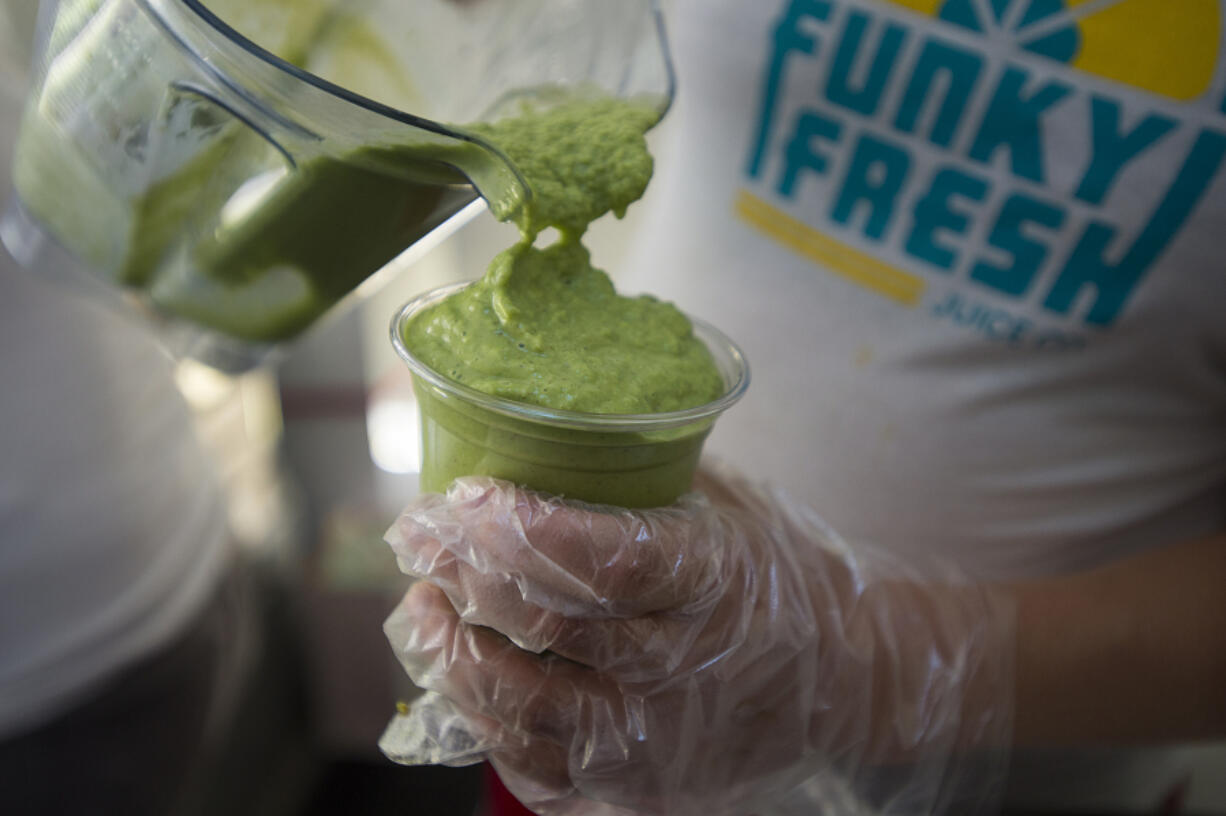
(121, 610)
(978, 533)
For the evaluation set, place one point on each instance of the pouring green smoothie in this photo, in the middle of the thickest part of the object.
(545, 330)
(235, 168)
(546, 327)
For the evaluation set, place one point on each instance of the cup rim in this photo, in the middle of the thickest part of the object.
(578, 420)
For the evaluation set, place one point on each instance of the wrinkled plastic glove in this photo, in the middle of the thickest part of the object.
(729, 654)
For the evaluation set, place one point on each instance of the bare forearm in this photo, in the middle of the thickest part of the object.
(1135, 652)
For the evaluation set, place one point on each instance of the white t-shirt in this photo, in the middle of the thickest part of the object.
(972, 249)
(979, 284)
(112, 529)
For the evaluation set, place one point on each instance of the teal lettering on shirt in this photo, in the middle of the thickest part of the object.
(1009, 235)
(1015, 121)
(1114, 283)
(802, 155)
(1113, 150)
(839, 85)
(959, 70)
(874, 177)
(788, 37)
(934, 212)
(890, 118)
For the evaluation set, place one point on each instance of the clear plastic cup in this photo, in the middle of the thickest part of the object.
(629, 460)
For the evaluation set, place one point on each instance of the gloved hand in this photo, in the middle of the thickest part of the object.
(704, 658)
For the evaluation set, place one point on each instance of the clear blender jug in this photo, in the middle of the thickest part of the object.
(234, 168)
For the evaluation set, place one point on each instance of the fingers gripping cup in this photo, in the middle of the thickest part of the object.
(630, 460)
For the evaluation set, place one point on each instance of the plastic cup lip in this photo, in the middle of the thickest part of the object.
(716, 341)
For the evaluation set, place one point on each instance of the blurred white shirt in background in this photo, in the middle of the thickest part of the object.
(112, 526)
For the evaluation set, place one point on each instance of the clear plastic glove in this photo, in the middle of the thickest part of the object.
(726, 655)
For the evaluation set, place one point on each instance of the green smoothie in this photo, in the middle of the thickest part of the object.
(170, 196)
(545, 329)
(313, 237)
(630, 460)
(544, 326)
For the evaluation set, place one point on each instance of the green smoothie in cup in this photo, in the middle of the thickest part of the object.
(540, 373)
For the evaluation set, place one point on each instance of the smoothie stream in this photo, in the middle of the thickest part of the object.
(545, 328)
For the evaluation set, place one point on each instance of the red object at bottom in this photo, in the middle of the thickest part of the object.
(498, 800)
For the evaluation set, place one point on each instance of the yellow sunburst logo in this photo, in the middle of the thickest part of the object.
(1167, 47)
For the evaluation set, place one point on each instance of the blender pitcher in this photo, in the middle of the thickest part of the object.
(234, 168)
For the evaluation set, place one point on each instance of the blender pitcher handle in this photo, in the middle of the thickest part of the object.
(202, 153)
(193, 89)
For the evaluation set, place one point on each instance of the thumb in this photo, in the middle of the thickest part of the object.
(435, 731)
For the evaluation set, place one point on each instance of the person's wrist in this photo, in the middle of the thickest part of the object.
(926, 667)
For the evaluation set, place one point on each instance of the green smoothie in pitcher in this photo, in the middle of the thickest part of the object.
(540, 372)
